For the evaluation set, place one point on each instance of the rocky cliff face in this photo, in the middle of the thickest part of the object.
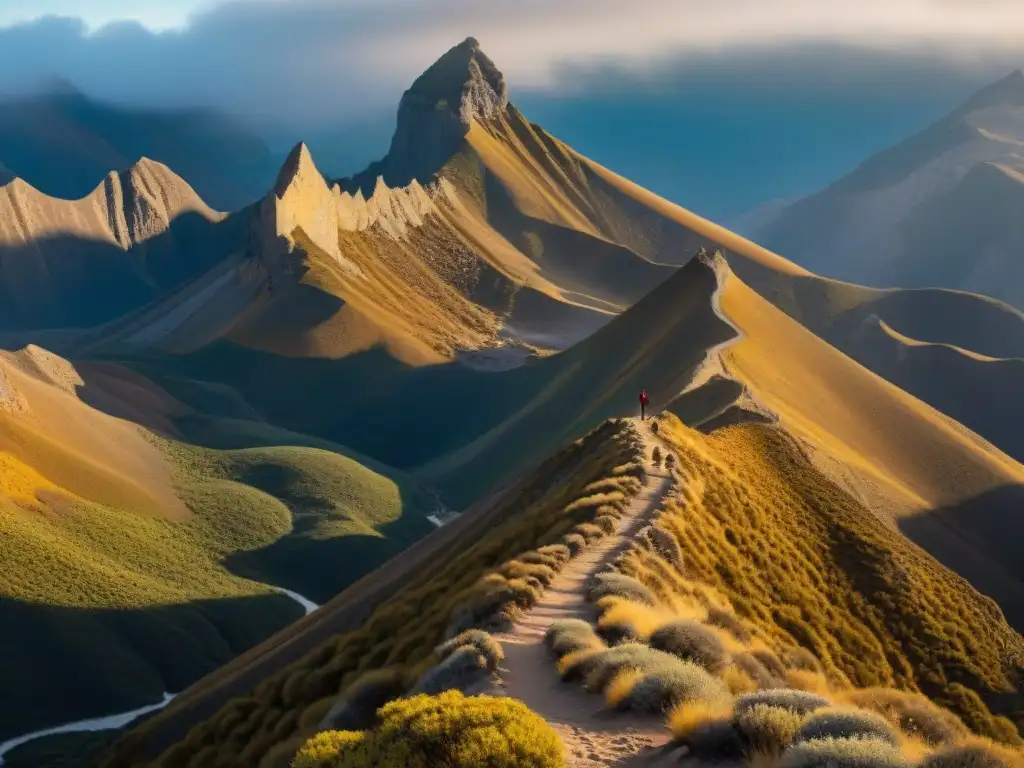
(435, 115)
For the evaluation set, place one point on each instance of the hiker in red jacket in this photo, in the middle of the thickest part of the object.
(644, 400)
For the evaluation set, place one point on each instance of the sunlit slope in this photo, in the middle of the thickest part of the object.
(659, 343)
(898, 455)
(414, 270)
(982, 393)
(133, 558)
(807, 563)
(867, 422)
(80, 450)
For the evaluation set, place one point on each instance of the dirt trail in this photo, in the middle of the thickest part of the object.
(593, 735)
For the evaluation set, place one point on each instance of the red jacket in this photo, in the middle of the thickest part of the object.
(643, 398)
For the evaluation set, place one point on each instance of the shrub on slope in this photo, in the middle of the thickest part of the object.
(445, 730)
(404, 630)
(805, 565)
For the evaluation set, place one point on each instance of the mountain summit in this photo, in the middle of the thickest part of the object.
(435, 114)
(464, 82)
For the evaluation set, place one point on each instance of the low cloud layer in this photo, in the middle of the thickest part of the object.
(311, 62)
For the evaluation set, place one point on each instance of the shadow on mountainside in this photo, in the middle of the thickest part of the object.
(319, 568)
(74, 282)
(464, 430)
(979, 539)
(66, 664)
(714, 404)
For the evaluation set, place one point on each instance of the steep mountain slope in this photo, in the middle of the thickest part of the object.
(940, 209)
(478, 299)
(671, 338)
(978, 391)
(63, 143)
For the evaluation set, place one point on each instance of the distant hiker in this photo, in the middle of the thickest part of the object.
(644, 400)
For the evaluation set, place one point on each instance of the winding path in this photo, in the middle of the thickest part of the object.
(593, 736)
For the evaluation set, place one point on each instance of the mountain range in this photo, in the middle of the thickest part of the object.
(63, 143)
(199, 410)
(939, 209)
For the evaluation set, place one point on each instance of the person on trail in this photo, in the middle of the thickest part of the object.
(644, 400)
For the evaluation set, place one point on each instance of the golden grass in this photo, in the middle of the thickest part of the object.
(404, 631)
(571, 659)
(621, 686)
(738, 681)
(804, 564)
(641, 619)
(812, 682)
(917, 456)
(685, 719)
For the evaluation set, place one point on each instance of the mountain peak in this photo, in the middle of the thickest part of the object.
(463, 81)
(436, 112)
(298, 166)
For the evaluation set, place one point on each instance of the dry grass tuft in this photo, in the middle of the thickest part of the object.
(461, 669)
(976, 753)
(755, 670)
(718, 617)
(843, 753)
(570, 636)
(575, 543)
(619, 689)
(912, 713)
(800, 702)
(482, 641)
(627, 618)
(664, 687)
(356, 709)
(812, 682)
(707, 731)
(691, 641)
(616, 584)
(846, 723)
(738, 681)
(445, 730)
(766, 730)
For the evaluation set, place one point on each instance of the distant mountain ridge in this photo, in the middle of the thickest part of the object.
(942, 209)
(63, 143)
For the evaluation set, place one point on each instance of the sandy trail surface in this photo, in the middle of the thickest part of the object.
(593, 734)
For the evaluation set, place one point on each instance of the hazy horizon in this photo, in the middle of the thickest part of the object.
(720, 106)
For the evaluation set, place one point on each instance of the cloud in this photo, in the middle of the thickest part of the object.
(313, 62)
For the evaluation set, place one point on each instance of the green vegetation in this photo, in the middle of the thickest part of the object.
(445, 730)
(147, 604)
(402, 633)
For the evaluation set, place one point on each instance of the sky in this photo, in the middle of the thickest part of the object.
(720, 104)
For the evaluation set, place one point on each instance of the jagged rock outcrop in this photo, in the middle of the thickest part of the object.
(435, 114)
(74, 263)
(303, 200)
